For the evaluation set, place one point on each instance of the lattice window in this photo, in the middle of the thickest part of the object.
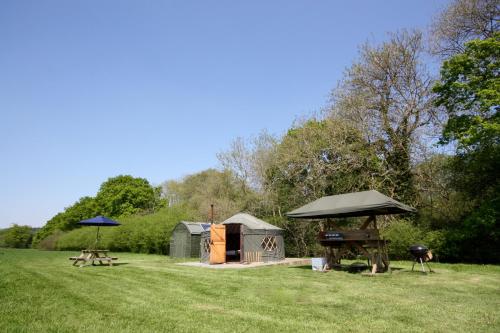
(206, 245)
(269, 243)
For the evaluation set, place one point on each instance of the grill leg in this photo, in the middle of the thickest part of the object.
(412, 267)
(422, 264)
(430, 269)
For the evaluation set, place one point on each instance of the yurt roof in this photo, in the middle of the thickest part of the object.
(250, 221)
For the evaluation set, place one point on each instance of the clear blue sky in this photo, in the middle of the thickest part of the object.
(154, 89)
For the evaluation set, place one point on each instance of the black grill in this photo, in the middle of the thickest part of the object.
(421, 254)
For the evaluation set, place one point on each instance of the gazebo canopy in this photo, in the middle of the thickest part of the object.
(366, 203)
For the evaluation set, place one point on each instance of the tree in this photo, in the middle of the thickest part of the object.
(469, 90)
(462, 21)
(387, 95)
(200, 190)
(84, 208)
(17, 236)
(121, 195)
(314, 159)
(125, 195)
(248, 161)
(318, 158)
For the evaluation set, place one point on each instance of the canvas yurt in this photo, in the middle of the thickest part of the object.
(245, 238)
(185, 240)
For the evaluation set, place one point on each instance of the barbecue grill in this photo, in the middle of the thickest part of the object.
(421, 254)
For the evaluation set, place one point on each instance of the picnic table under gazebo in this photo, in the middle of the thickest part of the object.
(366, 239)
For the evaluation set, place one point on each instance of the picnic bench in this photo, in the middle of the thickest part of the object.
(91, 256)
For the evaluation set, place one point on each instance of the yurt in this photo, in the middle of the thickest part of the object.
(247, 239)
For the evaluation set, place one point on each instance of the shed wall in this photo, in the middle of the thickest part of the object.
(180, 242)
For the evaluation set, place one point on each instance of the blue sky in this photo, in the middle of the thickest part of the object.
(93, 89)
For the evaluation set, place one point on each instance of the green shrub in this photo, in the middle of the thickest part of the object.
(435, 240)
(49, 243)
(138, 233)
(402, 234)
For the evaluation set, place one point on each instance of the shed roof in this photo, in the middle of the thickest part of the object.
(364, 203)
(196, 228)
(250, 221)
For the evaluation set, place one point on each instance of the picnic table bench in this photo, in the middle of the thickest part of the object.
(91, 256)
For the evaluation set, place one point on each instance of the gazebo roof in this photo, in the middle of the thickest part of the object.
(364, 203)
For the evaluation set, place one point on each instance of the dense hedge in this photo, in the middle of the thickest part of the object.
(402, 234)
(145, 234)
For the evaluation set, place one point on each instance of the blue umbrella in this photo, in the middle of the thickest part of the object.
(99, 221)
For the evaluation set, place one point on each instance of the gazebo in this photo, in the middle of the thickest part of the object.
(367, 238)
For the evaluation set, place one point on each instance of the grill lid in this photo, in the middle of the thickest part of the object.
(418, 250)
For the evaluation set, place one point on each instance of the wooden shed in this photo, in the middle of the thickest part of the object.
(247, 239)
(185, 240)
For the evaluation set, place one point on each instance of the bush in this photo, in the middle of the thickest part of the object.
(49, 243)
(142, 234)
(403, 234)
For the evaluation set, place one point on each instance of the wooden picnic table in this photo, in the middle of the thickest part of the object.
(90, 256)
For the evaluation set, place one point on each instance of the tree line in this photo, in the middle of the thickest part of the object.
(382, 129)
(387, 119)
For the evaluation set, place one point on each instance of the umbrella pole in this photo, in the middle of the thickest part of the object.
(97, 238)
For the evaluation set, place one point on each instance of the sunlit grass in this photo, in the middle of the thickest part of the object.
(42, 292)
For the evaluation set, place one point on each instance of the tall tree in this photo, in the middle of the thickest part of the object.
(198, 191)
(314, 159)
(387, 94)
(248, 160)
(461, 21)
(318, 158)
(469, 90)
(125, 195)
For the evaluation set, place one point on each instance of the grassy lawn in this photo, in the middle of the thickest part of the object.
(42, 292)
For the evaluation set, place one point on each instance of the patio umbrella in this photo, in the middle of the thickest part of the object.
(99, 221)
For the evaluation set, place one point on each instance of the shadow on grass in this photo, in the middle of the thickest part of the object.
(416, 272)
(104, 266)
(343, 268)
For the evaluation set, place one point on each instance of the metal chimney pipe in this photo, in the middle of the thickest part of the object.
(211, 213)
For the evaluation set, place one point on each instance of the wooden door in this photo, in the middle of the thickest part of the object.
(217, 244)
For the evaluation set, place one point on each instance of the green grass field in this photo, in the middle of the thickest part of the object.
(42, 292)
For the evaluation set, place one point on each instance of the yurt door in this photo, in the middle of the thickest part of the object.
(217, 244)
